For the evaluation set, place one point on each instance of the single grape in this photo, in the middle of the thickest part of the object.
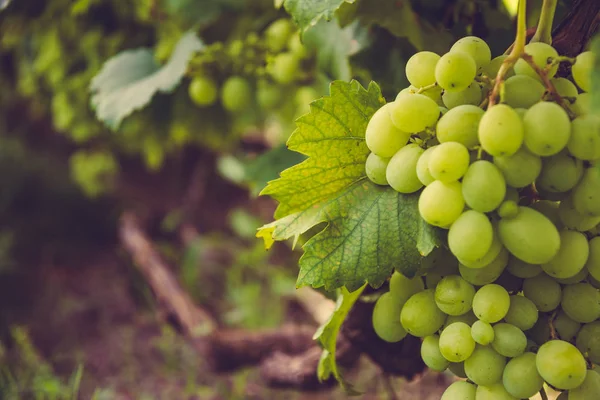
(420, 316)
(382, 136)
(482, 333)
(402, 288)
(491, 303)
(401, 172)
(495, 391)
(431, 355)
(589, 389)
(586, 195)
(540, 333)
(581, 302)
(522, 91)
(571, 218)
(375, 167)
(448, 162)
(529, 236)
(455, 71)
(578, 277)
(420, 68)
(283, 68)
(571, 257)
(468, 318)
(565, 88)
(489, 257)
(582, 70)
(236, 94)
(413, 113)
(491, 70)
(584, 142)
(476, 48)
(440, 203)
(520, 169)
(470, 236)
(485, 366)
(486, 274)
(512, 194)
(278, 33)
(593, 262)
(433, 92)
(471, 95)
(460, 124)
(454, 295)
(268, 95)
(521, 269)
(542, 54)
(543, 291)
(550, 210)
(522, 312)
(588, 341)
(509, 340)
(582, 104)
(560, 173)
(521, 378)
(565, 326)
(561, 364)
(386, 319)
(203, 91)
(483, 186)
(456, 343)
(296, 46)
(459, 390)
(501, 131)
(547, 128)
(423, 167)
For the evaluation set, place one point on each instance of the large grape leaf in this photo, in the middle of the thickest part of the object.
(595, 91)
(369, 229)
(307, 13)
(128, 81)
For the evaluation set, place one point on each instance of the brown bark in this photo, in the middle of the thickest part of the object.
(578, 27)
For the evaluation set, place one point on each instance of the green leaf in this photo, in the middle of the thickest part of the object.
(369, 229)
(327, 335)
(595, 90)
(128, 81)
(333, 46)
(307, 13)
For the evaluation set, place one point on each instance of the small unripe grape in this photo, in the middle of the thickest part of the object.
(582, 70)
(203, 91)
(236, 94)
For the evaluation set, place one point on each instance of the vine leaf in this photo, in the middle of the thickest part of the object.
(369, 229)
(327, 335)
(307, 13)
(128, 81)
(595, 90)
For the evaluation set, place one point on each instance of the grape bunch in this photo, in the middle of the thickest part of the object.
(512, 302)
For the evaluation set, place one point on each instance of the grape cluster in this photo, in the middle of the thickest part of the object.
(512, 302)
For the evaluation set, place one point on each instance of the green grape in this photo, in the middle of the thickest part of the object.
(543, 291)
(475, 47)
(589, 389)
(521, 378)
(277, 34)
(420, 68)
(203, 91)
(561, 364)
(468, 318)
(571, 256)
(486, 274)
(565, 88)
(495, 391)
(573, 219)
(588, 341)
(529, 236)
(483, 186)
(593, 262)
(63, 113)
(482, 333)
(582, 70)
(434, 93)
(401, 172)
(386, 319)
(454, 295)
(581, 302)
(420, 316)
(560, 173)
(304, 96)
(540, 333)
(456, 343)
(485, 365)
(458, 369)
(512, 194)
(508, 209)
(565, 326)
(578, 277)
(413, 113)
(423, 167)
(489, 257)
(582, 104)
(460, 124)
(550, 210)
(586, 195)
(491, 303)
(522, 91)
(584, 142)
(471, 95)
(283, 68)
(236, 94)
(448, 162)
(296, 46)
(522, 313)
(268, 95)
(547, 128)
(521, 269)
(455, 71)
(402, 288)
(431, 355)
(501, 131)
(542, 53)
(470, 236)
(491, 70)
(382, 136)
(375, 168)
(440, 203)
(459, 390)
(509, 340)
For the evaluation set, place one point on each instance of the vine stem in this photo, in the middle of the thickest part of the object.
(515, 53)
(543, 394)
(543, 32)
